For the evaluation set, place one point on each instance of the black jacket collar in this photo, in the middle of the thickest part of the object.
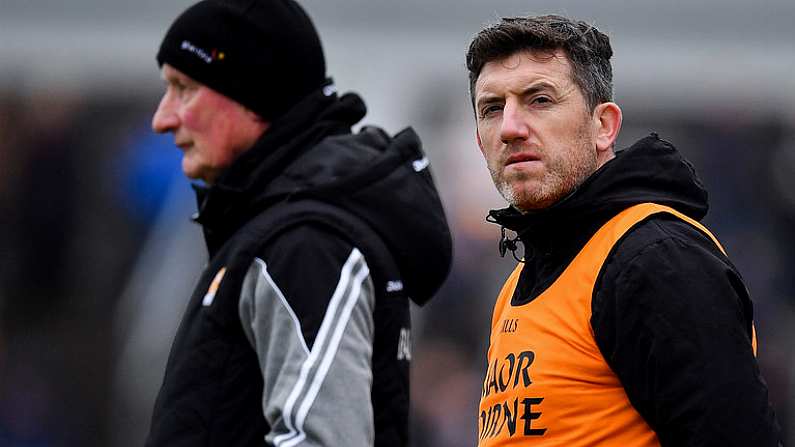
(241, 191)
(651, 170)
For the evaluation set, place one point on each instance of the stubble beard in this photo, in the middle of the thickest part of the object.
(560, 176)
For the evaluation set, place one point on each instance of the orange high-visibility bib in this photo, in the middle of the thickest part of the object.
(547, 382)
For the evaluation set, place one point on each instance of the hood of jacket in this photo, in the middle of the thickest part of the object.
(651, 170)
(311, 153)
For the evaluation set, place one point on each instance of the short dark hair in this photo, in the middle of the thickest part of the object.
(587, 48)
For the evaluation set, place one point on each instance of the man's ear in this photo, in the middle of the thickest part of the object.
(607, 120)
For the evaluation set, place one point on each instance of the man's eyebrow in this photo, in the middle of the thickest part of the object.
(174, 79)
(535, 87)
(487, 98)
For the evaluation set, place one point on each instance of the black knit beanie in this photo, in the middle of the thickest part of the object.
(264, 54)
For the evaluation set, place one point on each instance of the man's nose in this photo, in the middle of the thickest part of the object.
(165, 118)
(514, 124)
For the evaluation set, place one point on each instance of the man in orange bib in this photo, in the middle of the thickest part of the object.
(625, 324)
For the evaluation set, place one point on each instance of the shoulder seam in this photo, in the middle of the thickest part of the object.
(264, 271)
(666, 235)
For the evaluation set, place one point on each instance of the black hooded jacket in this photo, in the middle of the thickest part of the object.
(298, 332)
(670, 313)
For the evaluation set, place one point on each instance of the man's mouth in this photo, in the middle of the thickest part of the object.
(185, 145)
(520, 157)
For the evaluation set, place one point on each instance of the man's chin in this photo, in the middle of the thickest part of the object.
(192, 172)
(525, 201)
(520, 196)
(189, 171)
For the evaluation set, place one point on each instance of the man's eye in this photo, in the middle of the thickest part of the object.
(490, 109)
(181, 89)
(541, 100)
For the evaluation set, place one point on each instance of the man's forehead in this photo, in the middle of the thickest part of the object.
(536, 65)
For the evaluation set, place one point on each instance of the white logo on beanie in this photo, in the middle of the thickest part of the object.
(202, 54)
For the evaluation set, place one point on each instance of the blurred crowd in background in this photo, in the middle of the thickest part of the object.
(98, 253)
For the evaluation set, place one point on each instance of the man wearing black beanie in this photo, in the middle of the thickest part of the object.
(298, 331)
